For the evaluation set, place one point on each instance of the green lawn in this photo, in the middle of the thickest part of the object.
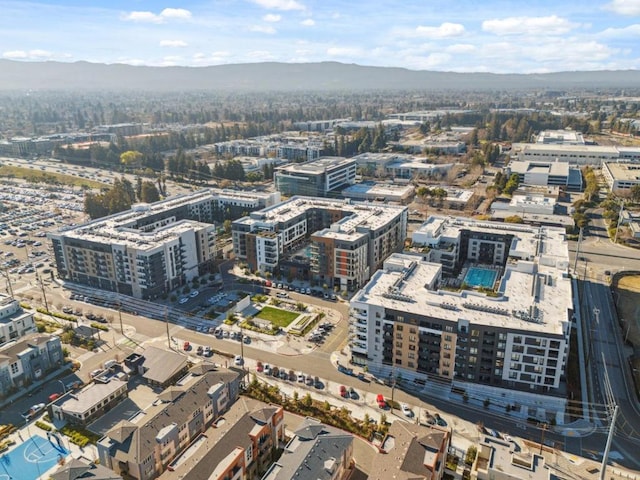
(278, 317)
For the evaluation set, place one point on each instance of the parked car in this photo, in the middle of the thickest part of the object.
(353, 395)
(183, 300)
(259, 367)
(343, 391)
(317, 383)
(200, 350)
(207, 351)
(267, 369)
(238, 360)
(439, 420)
(309, 381)
(33, 411)
(186, 346)
(194, 294)
(382, 403)
(406, 410)
(300, 377)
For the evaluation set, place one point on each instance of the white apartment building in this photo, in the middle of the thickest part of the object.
(432, 319)
(15, 323)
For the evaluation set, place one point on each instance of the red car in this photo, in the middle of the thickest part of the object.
(186, 346)
(259, 367)
(382, 403)
(343, 391)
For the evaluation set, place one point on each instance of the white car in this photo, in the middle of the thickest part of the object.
(266, 369)
(300, 377)
(406, 410)
(183, 300)
(194, 294)
(238, 360)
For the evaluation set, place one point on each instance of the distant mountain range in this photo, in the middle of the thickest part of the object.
(271, 76)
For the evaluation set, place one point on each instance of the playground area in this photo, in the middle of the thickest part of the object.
(32, 458)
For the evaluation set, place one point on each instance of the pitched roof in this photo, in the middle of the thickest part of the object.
(231, 432)
(161, 365)
(77, 469)
(139, 444)
(121, 431)
(313, 453)
(414, 446)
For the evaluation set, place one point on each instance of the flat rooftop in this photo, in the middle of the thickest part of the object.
(629, 172)
(122, 228)
(316, 167)
(378, 189)
(359, 214)
(90, 396)
(539, 167)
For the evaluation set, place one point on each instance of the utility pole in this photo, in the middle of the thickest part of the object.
(9, 286)
(166, 321)
(575, 263)
(615, 238)
(605, 457)
(44, 295)
(542, 430)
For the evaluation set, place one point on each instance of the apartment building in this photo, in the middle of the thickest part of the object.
(27, 359)
(15, 323)
(488, 306)
(153, 248)
(337, 242)
(317, 178)
(240, 445)
(417, 452)
(621, 177)
(145, 446)
(315, 451)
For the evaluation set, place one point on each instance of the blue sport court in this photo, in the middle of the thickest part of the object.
(480, 277)
(32, 458)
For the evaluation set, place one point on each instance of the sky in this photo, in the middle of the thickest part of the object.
(523, 36)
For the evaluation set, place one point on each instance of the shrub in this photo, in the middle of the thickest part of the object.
(43, 426)
(472, 451)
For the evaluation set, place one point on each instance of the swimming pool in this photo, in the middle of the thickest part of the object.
(480, 277)
(31, 459)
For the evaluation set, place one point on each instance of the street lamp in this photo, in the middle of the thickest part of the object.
(64, 388)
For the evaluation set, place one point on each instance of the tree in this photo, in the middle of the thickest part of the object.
(512, 184)
(131, 158)
(307, 401)
(226, 226)
(149, 193)
(634, 193)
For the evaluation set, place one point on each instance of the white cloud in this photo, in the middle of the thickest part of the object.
(173, 43)
(263, 29)
(445, 30)
(551, 25)
(626, 32)
(150, 17)
(272, 17)
(309, 22)
(27, 54)
(177, 13)
(142, 17)
(624, 7)
(344, 51)
(280, 4)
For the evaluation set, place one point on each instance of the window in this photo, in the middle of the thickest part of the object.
(14, 368)
(399, 344)
(475, 333)
(515, 357)
(399, 327)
